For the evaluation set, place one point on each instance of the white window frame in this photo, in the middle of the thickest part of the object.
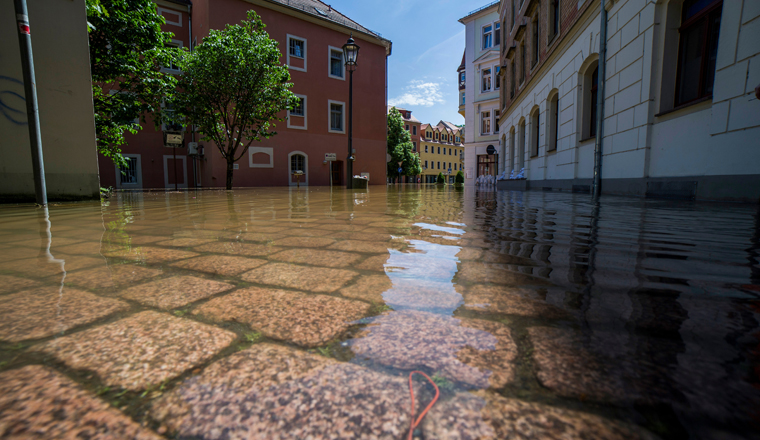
(305, 165)
(330, 50)
(161, 11)
(484, 118)
(329, 117)
(177, 44)
(269, 151)
(166, 171)
(138, 174)
(483, 77)
(305, 115)
(483, 34)
(305, 52)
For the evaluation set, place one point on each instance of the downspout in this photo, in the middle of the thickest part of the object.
(600, 102)
(196, 163)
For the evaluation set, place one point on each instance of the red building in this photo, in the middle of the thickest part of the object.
(311, 35)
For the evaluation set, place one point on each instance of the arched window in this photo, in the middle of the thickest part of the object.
(521, 144)
(511, 154)
(535, 130)
(594, 97)
(297, 163)
(588, 92)
(552, 109)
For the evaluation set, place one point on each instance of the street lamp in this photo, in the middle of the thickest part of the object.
(350, 54)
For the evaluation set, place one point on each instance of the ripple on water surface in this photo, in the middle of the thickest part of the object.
(300, 312)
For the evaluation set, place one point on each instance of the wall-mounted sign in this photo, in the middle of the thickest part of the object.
(331, 157)
(173, 140)
(491, 150)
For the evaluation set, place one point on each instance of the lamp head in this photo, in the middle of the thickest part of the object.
(350, 53)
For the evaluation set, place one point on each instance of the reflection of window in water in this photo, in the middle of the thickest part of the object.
(129, 171)
(298, 203)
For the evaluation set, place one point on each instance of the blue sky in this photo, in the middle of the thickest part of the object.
(428, 42)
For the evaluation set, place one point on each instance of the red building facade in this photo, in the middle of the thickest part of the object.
(310, 35)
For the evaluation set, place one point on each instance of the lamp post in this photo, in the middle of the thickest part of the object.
(350, 54)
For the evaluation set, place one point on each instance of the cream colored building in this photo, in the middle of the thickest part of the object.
(64, 90)
(441, 151)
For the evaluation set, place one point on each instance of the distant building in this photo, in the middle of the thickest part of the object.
(479, 85)
(310, 34)
(441, 151)
(680, 118)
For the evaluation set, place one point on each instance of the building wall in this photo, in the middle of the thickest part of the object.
(64, 96)
(267, 163)
(476, 101)
(707, 147)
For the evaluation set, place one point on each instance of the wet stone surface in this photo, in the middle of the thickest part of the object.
(174, 292)
(486, 415)
(303, 319)
(317, 257)
(474, 352)
(274, 392)
(304, 242)
(10, 283)
(478, 272)
(151, 254)
(111, 276)
(509, 301)
(220, 264)
(239, 249)
(140, 351)
(45, 311)
(36, 402)
(368, 288)
(313, 279)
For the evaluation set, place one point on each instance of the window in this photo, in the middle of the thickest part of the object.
(512, 81)
(296, 53)
(522, 63)
(414, 130)
(497, 69)
(439, 165)
(297, 49)
(487, 36)
(513, 13)
(553, 127)
(497, 33)
(535, 41)
(486, 74)
(512, 149)
(170, 17)
(425, 164)
(298, 109)
(173, 66)
(461, 77)
(427, 134)
(337, 68)
(535, 121)
(485, 121)
(698, 49)
(436, 138)
(496, 114)
(297, 162)
(297, 114)
(439, 150)
(415, 146)
(554, 11)
(406, 127)
(592, 102)
(462, 98)
(521, 145)
(129, 171)
(336, 116)
(449, 151)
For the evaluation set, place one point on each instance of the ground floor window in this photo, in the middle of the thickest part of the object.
(487, 165)
(129, 171)
(297, 163)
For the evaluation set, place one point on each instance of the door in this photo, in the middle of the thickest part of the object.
(337, 173)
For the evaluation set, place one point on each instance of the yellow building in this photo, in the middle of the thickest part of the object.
(441, 151)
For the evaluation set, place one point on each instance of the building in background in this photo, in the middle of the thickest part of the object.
(479, 85)
(441, 151)
(310, 35)
(64, 95)
(680, 118)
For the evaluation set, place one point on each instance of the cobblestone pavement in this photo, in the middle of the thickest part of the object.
(299, 313)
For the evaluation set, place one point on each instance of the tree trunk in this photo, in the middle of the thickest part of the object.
(230, 162)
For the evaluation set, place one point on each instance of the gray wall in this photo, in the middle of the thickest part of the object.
(64, 89)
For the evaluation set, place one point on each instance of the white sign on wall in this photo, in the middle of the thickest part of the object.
(331, 157)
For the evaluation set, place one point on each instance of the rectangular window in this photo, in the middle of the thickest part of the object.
(173, 66)
(486, 74)
(426, 150)
(414, 130)
(496, 114)
(553, 19)
(487, 36)
(512, 81)
(449, 151)
(497, 34)
(513, 13)
(485, 127)
(439, 150)
(336, 64)
(415, 146)
(336, 116)
(594, 91)
(699, 31)
(129, 172)
(298, 109)
(522, 63)
(297, 48)
(425, 164)
(535, 40)
(462, 98)
(439, 165)
(498, 78)
(406, 127)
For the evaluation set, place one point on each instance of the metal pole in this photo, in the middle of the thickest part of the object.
(600, 102)
(30, 91)
(174, 152)
(349, 162)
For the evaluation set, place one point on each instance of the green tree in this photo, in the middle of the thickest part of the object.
(440, 178)
(459, 179)
(233, 88)
(400, 147)
(127, 52)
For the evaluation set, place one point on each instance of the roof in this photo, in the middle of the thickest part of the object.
(480, 9)
(424, 126)
(324, 11)
(402, 111)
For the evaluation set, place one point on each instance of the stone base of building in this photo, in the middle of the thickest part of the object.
(739, 188)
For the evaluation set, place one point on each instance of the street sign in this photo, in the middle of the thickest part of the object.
(331, 157)
(400, 169)
(449, 170)
(491, 150)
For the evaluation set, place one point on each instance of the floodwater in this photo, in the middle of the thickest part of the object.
(300, 313)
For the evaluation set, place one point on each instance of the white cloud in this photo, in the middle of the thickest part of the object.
(420, 93)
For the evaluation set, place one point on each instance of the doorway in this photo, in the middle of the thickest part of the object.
(337, 172)
(487, 165)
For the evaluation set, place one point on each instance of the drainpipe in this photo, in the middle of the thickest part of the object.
(600, 102)
(30, 92)
(196, 163)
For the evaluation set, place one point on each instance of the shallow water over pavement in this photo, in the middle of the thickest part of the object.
(290, 313)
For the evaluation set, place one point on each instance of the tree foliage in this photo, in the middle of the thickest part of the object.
(127, 52)
(234, 85)
(459, 179)
(440, 178)
(400, 147)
